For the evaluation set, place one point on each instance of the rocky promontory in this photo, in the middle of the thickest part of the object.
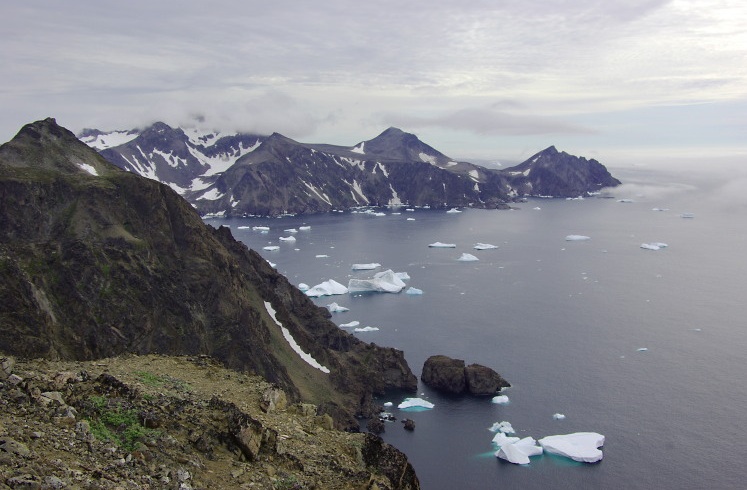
(450, 375)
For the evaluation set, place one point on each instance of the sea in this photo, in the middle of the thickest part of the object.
(646, 347)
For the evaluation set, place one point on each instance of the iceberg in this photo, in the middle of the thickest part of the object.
(365, 267)
(291, 230)
(288, 238)
(442, 245)
(261, 228)
(303, 286)
(321, 256)
(403, 275)
(414, 291)
(352, 324)
(271, 248)
(642, 349)
(382, 282)
(243, 227)
(504, 427)
(415, 404)
(519, 451)
(558, 416)
(579, 446)
(467, 258)
(388, 404)
(500, 400)
(502, 439)
(327, 288)
(335, 308)
(576, 238)
(366, 329)
(484, 246)
(410, 219)
(304, 228)
(453, 211)
(653, 246)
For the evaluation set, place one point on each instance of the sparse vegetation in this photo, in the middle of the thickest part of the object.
(111, 421)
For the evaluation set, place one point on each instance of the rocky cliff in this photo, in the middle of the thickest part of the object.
(98, 262)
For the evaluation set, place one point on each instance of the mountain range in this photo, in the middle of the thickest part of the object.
(254, 175)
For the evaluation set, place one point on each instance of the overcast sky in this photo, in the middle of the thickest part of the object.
(618, 80)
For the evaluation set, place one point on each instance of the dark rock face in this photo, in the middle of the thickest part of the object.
(274, 175)
(389, 461)
(99, 265)
(449, 375)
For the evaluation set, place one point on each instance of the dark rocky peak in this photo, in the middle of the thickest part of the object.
(162, 132)
(278, 145)
(395, 144)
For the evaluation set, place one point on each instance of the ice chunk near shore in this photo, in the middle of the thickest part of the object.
(382, 282)
(504, 427)
(484, 246)
(415, 404)
(413, 291)
(352, 324)
(271, 248)
(388, 404)
(365, 267)
(366, 329)
(576, 238)
(442, 245)
(579, 446)
(467, 258)
(500, 400)
(519, 451)
(290, 238)
(653, 246)
(303, 286)
(335, 308)
(327, 288)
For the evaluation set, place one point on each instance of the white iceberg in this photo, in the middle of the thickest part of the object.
(288, 238)
(642, 349)
(467, 258)
(261, 228)
(558, 416)
(321, 256)
(579, 446)
(414, 291)
(453, 210)
(403, 275)
(388, 404)
(365, 267)
(415, 403)
(271, 248)
(502, 439)
(484, 246)
(442, 245)
(366, 329)
(303, 286)
(335, 308)
(576, 238)
(291, 230)
(410, 219)
(243, 227)
(520, 451)
(653, 246)
(500, 400)
(352, 324)
(304, 228)
(504, 427)
(382, 282)
(327, 288)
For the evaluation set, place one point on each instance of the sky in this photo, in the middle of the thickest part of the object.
(622, 81)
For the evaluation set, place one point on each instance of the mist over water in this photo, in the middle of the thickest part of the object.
(563, 322)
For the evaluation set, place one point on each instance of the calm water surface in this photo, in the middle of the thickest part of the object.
(563, 322)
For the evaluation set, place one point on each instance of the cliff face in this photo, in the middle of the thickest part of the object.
(97, 262)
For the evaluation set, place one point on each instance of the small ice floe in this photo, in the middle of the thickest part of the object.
(484, 246)
(465, 257)
(653, 246)
(261, 228)
(382, 282)
(366, 329)
(388, 404)
(579, 446)
(291, 230)
(659, 209)
(537, 208)
(304, 228)
(243, 227)
(321, 256)
(303, 286)
(413, 291)
(352, 324)
(415, 404)
(500, 400)
(410, 210)
(335, 308)
(641, 349)
(271, 248)
(442, 245)
(519, 451)
(403, 275)
(504, 427)
(576, 238)
(290, 238)
(365, 267)
(558, 416)
(327, 288)
(688, 215)
(410, 219)
(453, 211)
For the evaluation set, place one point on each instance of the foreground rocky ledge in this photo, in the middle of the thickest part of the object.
(175, 422)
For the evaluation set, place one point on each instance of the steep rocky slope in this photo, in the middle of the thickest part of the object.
(98, 262)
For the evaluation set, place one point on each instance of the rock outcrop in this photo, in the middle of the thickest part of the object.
(450, 375)
(97, 262)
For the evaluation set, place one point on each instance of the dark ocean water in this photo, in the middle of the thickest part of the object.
(563, 322)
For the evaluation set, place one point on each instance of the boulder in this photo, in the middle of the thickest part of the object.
(444, 374)
(482, 380)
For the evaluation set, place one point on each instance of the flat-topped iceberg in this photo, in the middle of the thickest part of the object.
(413, 291)
(579, 446)
(327, 288)
(271, 248)
(467, 258)
(577, 238)
(304, 228)
(653, 246)
(366, 329)
(382, 282)
(415, 404)
(500, 400)
(352, 324)
(290, 238)
(442, 245)
(365, 267)
(291, 230)
(335, 308)
(484, 246)
(519, 452)
(261, 228)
